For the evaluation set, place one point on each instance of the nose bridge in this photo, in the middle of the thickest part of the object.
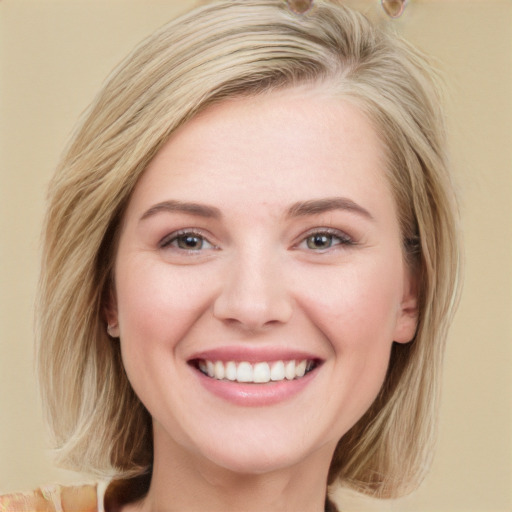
(254, 292)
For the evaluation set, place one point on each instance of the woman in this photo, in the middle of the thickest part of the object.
(250, 266)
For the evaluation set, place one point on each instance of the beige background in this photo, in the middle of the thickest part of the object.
(54, 55)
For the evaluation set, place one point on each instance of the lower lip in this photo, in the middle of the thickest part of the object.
(255, 395)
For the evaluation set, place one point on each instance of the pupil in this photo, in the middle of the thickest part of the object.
(320, 242)
(190, 242)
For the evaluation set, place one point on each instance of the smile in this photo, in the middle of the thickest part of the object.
(257, 373)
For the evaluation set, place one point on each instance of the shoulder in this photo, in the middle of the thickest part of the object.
(52, 498)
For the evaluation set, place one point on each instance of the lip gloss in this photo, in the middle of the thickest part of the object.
(254, 394)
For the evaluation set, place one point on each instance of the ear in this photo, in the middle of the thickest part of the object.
(408, 314)
(110, 312)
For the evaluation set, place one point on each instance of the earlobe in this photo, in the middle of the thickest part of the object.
(110, 312)
(407, 322)
(408, 315)
(113, 330)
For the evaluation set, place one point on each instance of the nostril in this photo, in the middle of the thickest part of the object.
(253, 293)
(252, 316)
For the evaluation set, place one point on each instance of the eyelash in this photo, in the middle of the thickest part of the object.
(331, 234)
(183, 234)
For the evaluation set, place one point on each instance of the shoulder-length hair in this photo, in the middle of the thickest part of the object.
(220, 51)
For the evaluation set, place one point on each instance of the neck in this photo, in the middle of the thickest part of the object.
(184, 482)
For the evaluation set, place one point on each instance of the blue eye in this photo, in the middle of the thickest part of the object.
(186, 241)
(323, 240)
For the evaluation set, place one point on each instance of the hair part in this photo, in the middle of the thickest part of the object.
(221, 51)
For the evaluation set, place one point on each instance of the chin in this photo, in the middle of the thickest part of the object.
(253, 454)
(255, 463)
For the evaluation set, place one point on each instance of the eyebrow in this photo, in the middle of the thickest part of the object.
(299, 209)
(196, 209)
(319, 206)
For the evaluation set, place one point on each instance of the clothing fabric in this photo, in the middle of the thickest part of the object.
(56, 498)
(83, 498)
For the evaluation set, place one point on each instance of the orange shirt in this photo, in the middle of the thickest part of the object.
(54, 498)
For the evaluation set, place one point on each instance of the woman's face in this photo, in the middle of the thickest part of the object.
(260, 281)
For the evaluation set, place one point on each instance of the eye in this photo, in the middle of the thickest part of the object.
(324, 240)
(186, 241)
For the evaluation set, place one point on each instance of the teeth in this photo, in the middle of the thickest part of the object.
(261, 372)
(219, 370)
(231, 371)
(244, 372)
(289, 370)
(300, 369)
(277, 371)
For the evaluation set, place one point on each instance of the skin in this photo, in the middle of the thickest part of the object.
(257, 278)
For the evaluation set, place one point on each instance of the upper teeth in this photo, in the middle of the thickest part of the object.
(244, 371)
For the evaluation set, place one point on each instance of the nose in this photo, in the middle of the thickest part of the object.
(253, 294)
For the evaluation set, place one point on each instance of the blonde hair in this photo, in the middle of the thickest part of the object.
(219, 51)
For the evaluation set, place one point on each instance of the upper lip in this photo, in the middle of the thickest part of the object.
(253, 354)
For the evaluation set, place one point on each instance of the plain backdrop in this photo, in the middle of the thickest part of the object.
(54, 55)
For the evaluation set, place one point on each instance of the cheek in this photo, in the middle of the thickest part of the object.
(357, 307)
(357, 314)
(157, 305)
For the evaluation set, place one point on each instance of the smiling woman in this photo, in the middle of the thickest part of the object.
(250, 266)
(305, 298)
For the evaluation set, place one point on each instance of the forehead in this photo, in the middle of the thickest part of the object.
(279, 147)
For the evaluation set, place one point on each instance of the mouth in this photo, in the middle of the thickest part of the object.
(259, 372)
